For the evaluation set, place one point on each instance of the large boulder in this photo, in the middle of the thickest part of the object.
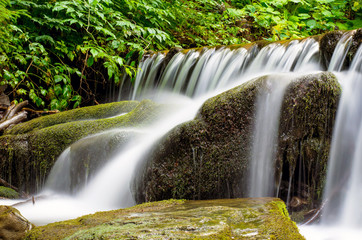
(13, 225)
(208, 157)
(263, 218)
(29, 150)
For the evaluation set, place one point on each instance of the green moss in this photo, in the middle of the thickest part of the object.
(8, 193)
(305, 132)
(93, 112)
(212, 219)
(280, 227)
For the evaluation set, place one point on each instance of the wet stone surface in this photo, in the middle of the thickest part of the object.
(260, 218)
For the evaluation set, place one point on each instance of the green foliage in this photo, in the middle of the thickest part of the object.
(61, 50)
(57, 54)
(285, 19)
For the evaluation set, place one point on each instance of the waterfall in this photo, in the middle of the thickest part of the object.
(342, 214)
(261, 176)
(342, 188)
(195, 75)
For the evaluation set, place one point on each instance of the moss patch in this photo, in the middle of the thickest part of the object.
(87, 113)
(264, 218)
(8, 193)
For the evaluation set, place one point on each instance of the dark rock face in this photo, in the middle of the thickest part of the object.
(12, 224)
(356, 43)
(208, 157)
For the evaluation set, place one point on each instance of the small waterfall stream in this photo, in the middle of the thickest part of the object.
(197, 75)
(265, 135)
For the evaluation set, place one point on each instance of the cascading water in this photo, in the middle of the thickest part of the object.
(261, 179)
(193, 74)
(342, 214)
(197, 73)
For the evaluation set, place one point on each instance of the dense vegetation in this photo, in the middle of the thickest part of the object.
(59, 54)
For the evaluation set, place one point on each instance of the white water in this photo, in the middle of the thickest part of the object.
(345, 154)
(111, 187)
(261, 179)
(214, 70)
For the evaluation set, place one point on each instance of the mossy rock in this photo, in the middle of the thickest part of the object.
(86, 113)
(204, 158)
(208, 157)
(329, 41)
(6, 192)
(263, 218)
(305, 132)
(29, 150)
(12, 224)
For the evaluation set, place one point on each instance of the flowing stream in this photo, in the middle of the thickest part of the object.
(192, 77)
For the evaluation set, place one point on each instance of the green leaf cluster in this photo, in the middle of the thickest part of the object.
(285, 19)
(59, 53)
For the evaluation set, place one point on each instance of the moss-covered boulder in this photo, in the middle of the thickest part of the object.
(29, 150)
(264, 218)
(13, 225)
(208, 157)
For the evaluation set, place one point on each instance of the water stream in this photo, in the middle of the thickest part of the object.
(261, 179)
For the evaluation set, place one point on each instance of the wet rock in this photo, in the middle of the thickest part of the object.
(329, 41)
(208, 157)
(327, 45)
(262, 218)
(29, 150)
(305, 132)
(356, 43)
(13, 225)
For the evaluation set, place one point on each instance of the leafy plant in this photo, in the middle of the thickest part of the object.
(60, 54)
